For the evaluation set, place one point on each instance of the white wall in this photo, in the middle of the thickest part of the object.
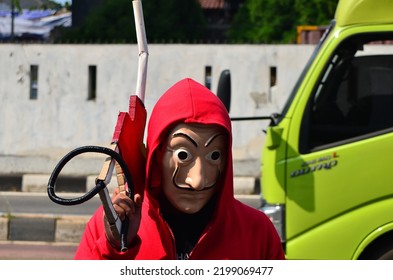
(62, 119)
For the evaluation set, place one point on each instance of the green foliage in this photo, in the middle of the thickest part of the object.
(316, 12)
(16, 5)
(113, 22)
(275, 21)
(176, 20)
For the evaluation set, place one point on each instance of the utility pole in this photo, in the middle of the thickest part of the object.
(12, 19)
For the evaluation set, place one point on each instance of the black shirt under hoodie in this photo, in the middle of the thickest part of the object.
(186, 228)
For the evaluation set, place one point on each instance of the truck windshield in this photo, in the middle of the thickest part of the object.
(354, 96)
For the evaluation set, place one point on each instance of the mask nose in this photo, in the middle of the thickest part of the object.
(200, 176)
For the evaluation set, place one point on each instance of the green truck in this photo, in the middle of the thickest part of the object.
(327, 160)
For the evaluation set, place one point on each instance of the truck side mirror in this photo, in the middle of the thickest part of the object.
(224, 88)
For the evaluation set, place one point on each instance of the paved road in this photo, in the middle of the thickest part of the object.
(39, 203)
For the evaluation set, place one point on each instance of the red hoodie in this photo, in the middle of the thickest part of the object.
(236, 231)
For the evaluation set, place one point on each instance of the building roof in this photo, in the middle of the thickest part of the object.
(35, 23)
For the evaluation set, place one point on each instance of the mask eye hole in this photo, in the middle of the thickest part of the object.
(214, 156)
(183, 155)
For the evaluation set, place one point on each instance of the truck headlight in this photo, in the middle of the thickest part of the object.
(276, 213)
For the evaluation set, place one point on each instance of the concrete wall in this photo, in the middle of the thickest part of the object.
(34, 134)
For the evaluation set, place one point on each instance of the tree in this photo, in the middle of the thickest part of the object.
(176, 20)
(275, 21)
(14, 4)
(316, 12)
(113, 21)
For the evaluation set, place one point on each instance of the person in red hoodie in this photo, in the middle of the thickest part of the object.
(188, 210)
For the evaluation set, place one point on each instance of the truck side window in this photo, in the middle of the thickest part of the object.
(353, 99)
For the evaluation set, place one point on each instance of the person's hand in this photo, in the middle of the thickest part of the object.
(125, 207)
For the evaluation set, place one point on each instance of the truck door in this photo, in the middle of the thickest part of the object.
(345, 154)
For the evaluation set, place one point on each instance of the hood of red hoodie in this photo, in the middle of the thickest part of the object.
(187, 101)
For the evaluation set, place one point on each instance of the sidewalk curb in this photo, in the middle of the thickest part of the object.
(42, 228)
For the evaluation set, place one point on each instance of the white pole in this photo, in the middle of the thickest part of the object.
(142, 47)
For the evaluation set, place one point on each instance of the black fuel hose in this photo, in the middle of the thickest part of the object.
(99, 185)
